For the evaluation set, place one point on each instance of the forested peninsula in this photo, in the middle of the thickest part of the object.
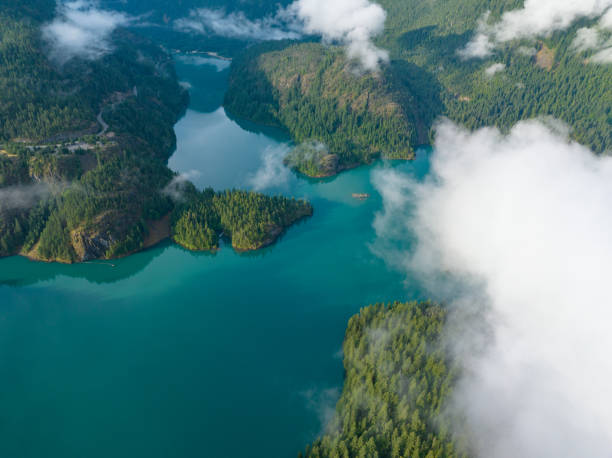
(341, 120)
(84, 149)
(399, 378)
(353, 117)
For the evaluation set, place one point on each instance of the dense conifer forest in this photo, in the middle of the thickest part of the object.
(250, 220)
(555, 80)
(84, 149)
(361, 117)
(311, 91)
(87, 142)
(96, 189)
(398, 377)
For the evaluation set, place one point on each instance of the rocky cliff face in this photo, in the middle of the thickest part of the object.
(88, 246)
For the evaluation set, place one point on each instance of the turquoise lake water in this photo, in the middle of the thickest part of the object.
(169, 353)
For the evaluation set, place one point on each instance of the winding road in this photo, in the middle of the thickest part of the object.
(102, 123)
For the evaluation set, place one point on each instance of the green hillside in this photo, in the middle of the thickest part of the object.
(312, 92)
(84, 147)
(398, 377)
(557, 81)
(426, 78)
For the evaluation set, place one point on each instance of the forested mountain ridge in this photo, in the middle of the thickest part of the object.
(312, 92)
(398, 379)
(95, 177)
(84, 145)
(548, 77)
(43, 103)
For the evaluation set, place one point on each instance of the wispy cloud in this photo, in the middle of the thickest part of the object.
(81, 29)
(515, 228)
(179, 184)
(27, 195)
(236, 25)
(597, 38)
(535, 18)
(495, 68)
(352, 23)
(272, 172)
(219, 64)
(323, 403)
(603, 55)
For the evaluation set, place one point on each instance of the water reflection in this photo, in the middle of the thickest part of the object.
(206, 80)
(20, 271)
(274, 133)
(194, 349)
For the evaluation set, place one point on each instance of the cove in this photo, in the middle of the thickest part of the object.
(172, 353)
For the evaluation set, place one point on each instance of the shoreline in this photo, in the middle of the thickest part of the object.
(274, 235)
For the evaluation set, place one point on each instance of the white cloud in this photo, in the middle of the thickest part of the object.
(535, 18)
(527, 51)
(495, 68)
(26, 196)
(480, 46)
(596, 39)
(236, 25)
(352, 23)
(80, 29)
(522, 223)
(604, 56)
(323, 403)
(179, 184)
(272, 172)
(606, 20)
(586, 38)
(219, 64)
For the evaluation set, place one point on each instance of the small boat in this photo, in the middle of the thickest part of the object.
(360, 196)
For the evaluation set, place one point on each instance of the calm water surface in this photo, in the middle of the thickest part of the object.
(169, 353)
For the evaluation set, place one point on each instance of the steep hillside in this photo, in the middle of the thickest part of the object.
(426, 78)
(550, 78)
(316, 95)
(84, 146)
